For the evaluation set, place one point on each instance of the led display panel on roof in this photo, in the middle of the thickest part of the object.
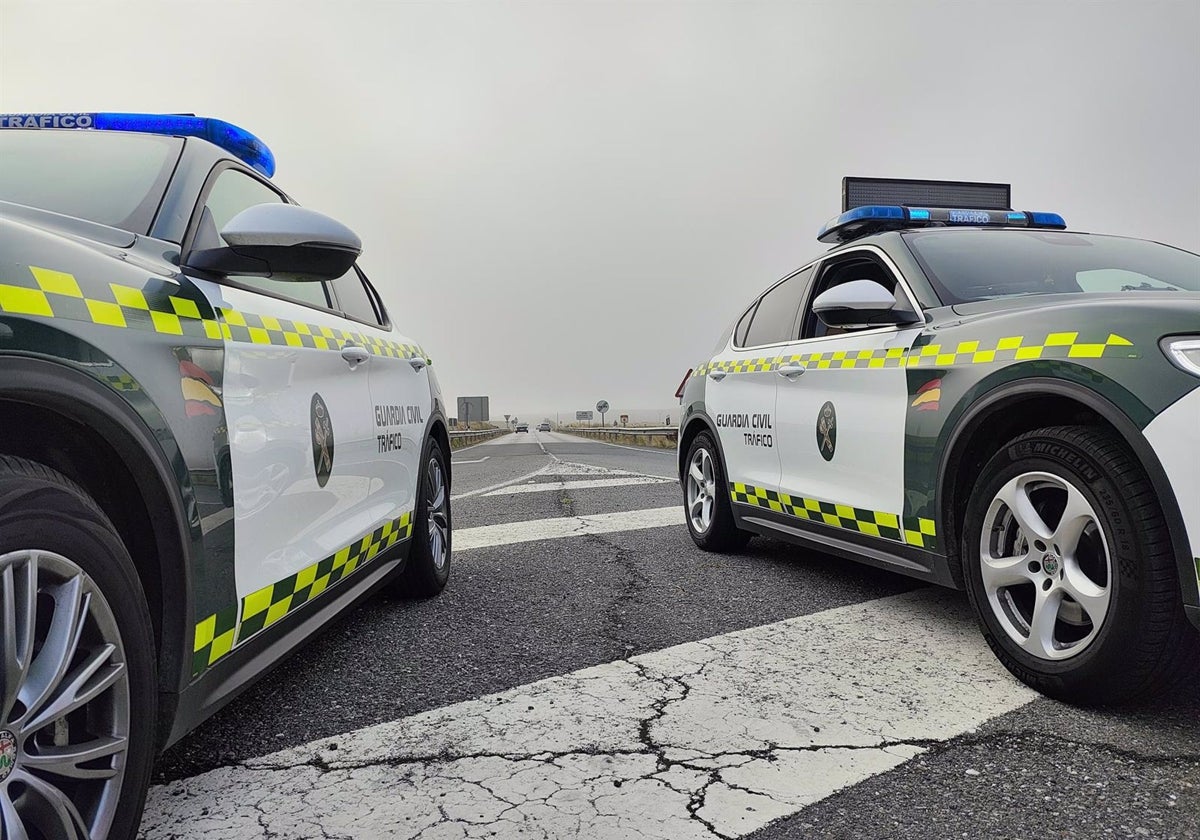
(860, 192)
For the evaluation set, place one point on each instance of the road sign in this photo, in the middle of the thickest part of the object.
(583, 415)
(602, 406)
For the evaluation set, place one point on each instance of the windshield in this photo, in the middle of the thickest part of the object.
(114, 178)
(971, 265)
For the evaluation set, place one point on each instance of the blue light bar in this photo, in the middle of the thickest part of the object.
(237, 141)
(862, 221)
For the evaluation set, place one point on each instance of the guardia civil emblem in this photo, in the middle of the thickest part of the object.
(827, 431)
(322, 439)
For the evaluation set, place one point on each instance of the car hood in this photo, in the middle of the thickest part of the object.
(1171, 312)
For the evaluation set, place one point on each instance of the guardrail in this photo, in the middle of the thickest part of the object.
(659, 437)
(460, 438)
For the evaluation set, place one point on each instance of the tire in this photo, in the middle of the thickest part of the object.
(427, 569)
(56, 542)
(706, 505)
(1112, 628)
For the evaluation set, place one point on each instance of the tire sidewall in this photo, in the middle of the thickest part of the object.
(1117, 636)
(420, 553)
(65, 522)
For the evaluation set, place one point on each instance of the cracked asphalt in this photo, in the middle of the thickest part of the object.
(621, 683)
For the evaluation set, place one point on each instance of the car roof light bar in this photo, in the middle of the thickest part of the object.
(237, 141)
(863, 221)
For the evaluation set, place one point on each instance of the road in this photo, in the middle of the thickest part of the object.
(590, 673)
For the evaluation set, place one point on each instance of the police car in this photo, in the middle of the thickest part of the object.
(973, 396)
(215, 441)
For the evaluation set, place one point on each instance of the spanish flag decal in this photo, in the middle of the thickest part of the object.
(199, 395)
(928, 396)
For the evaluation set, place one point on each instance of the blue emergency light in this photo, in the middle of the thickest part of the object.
(862, 221)
(237, 141)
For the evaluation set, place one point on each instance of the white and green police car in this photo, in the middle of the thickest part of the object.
(973, 396)
(214, 441)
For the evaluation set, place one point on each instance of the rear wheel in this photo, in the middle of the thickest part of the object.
(428, 566)
(77, 684)
(1069, 566)
(706, 504)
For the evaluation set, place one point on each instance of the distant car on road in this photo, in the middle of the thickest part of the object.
(522, 427)
(543, 427)
(212, 430)
(979, 399)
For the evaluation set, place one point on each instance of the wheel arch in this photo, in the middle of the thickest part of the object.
(1012, 409)
(82, 428)
(696, 423)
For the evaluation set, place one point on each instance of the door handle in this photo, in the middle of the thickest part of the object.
(418, 364)
(791, 371)
(718, 375)
(355, 355)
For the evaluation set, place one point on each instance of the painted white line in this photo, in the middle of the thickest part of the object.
(711, 738)
(569, 438)
(216, 520)
(476, 461)
(483, 490)
(583, 484)
(561, 527)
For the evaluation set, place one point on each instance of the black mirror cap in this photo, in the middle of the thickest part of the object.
(862, 319)
(303, 263)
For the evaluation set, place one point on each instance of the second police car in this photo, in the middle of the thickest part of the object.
(215, 441)
(975, 397)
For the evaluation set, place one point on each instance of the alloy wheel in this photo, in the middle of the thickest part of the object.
(437, 504)
(64, 701)
(1046, 566)
(701, 490)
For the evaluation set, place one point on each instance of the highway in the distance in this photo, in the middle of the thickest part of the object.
(590, 673)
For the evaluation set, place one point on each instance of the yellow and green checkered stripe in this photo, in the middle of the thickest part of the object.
(1060, 345)
(888, 526)
(56, 294)
(217, 634)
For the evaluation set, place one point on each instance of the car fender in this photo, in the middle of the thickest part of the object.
(995, 398)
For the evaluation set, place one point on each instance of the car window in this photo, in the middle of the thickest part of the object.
(232, 192)
(774, 320)
(973, 265)
(113, 178)
(859, 266)
(355, 299)
(743, 326)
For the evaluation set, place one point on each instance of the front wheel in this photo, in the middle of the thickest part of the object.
(1069, 565)
(77, 672)
(706, 504)
(427, 569)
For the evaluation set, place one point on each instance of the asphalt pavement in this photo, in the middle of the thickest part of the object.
(590, 673)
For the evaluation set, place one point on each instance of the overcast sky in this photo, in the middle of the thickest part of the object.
(569, 201)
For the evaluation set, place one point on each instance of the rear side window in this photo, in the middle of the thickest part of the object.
(356, 299)
(743, 326)
(774, 320)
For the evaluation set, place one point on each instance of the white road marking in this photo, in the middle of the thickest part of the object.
(714, 738)
(216, 520)
(560, 527)
(582, 484)
(476, 461)
(565, 437)
(556, 468)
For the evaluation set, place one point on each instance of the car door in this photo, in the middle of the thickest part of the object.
(300, 429)
(741, 390)
(842, 405)
(401, 402)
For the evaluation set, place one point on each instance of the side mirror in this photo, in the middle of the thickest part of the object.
(281, 241)
(860, 304)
